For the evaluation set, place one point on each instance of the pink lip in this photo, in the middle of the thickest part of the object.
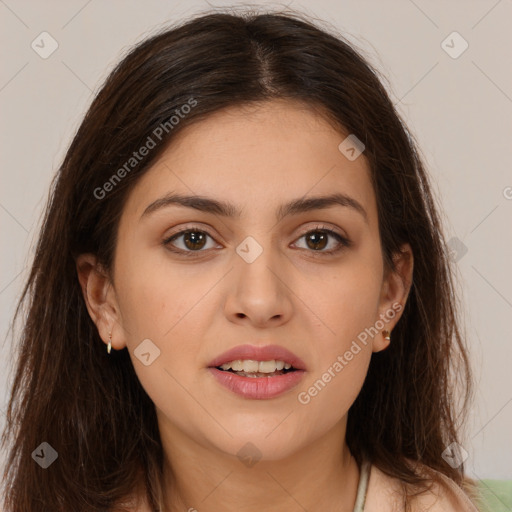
(266, 353)
(258, 388)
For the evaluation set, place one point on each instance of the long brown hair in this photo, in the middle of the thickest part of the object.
(89, 406)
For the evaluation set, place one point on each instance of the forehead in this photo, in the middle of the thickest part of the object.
(257, 156)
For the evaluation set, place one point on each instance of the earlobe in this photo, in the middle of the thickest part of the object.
(384, 343)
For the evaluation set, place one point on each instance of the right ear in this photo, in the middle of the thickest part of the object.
(100, 299)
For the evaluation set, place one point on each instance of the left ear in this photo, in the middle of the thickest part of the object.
(394, 292)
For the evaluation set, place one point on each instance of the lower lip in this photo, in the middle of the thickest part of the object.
(258, 388)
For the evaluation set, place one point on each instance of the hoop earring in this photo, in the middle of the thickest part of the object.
(109, 346)
(387, 335)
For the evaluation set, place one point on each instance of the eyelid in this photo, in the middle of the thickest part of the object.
(322, 226)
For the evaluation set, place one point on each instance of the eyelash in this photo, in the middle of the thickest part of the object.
(344, 242)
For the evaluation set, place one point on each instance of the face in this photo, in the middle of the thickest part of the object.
(311, 281)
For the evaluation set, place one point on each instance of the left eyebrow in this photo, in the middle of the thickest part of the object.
(225, 209)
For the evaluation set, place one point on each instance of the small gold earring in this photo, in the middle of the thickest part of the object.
(109, 346)
(387, 335)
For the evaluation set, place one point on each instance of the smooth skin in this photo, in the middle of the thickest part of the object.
(294, 294)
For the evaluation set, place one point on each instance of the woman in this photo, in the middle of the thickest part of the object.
(243, 220)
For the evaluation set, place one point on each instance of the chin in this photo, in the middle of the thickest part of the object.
(258, 447)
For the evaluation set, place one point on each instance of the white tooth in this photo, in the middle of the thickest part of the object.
(237, 365)
(250, 365)
(267, 366)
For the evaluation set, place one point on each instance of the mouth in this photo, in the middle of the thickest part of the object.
(256, 372)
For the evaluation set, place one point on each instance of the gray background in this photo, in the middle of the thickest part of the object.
(458, 108)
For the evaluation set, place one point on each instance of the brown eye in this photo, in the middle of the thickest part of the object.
(318, 239)
(193, 240)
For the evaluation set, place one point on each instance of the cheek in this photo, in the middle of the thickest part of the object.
(345, 311)
(157, 306)
(167, 307)
(156, 298)
(337, 380)
(344, 304)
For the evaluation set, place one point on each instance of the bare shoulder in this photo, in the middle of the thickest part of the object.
(444, 498)
(386, 493)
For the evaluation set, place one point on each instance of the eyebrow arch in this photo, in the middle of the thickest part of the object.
(225, 209)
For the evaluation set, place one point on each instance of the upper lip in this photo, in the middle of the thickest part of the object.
(257, 353)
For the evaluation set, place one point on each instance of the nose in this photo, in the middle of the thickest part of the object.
(258, 293)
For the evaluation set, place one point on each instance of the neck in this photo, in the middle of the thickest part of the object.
(321, 476)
